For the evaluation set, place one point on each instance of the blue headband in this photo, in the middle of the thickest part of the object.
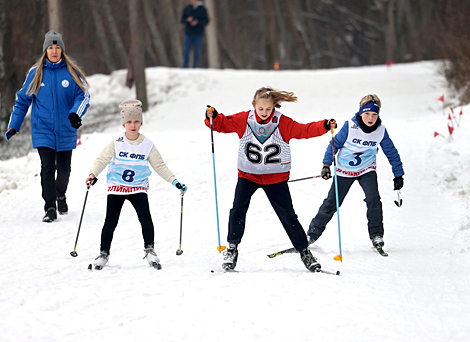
(369, 107)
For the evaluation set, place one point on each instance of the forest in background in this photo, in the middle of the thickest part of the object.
(255, 34)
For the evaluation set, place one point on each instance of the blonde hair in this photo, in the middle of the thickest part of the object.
(274, 95)
(72, 68)
(369, 98)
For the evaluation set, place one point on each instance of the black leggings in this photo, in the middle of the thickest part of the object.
(281, 201)
(113, 210)
(52, 186)
(368, 182)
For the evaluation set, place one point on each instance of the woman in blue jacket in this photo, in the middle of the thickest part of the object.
(358, 144)
(58, 92)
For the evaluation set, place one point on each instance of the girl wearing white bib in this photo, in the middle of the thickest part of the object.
(128, 157)
(264, 161)
(358, 142)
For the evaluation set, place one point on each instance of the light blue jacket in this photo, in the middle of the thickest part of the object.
(58, 96)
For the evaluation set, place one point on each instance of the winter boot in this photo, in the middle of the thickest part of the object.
(152, 257)
(309, 260)
(101, 260)
(62, 206)
(378, 241)
(51, 215)
(230, 257)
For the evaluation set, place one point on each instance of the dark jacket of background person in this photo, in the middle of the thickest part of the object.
(200, 14)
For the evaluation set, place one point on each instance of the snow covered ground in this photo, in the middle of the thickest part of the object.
(419, 293)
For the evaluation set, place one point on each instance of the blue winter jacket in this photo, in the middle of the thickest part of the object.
(58, 96)
(386, 144)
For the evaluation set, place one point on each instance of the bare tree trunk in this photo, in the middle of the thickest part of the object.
(156, 37)
(55, 15)
(284, 53)
(260, 25)
(101, 33)
(271, 41)
(149, 50)
(298, 34)
(137, 53)
(390, 31)
(115, 36)
(172, 22)
(211, 33)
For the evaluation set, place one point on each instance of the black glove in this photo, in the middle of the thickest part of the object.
(75, 120)
(214, 112)
(398, 183)
(92, 181)
(10, 133)
(325, 172)
(328, 123)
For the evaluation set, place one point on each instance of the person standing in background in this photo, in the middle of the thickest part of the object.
(195, 19)
(57, 90)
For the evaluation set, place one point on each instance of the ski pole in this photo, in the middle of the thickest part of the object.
(400, 201)
(74, 253)
(180, 251)
(300, 179)
(219, 247)
(339, 257)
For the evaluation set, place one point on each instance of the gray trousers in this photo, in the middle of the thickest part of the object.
(368, 183)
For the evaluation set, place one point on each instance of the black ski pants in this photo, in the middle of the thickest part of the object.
(279, 196)
(368, 182)
(52, 186)
(113, 210)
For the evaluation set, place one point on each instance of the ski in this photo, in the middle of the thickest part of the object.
(155, 265)
(328, 272)
(288, 250)
(285, 251)
(96, 267)
(380, 250)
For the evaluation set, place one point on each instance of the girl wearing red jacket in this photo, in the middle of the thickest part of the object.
(264, 161)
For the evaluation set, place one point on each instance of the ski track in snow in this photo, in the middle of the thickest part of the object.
(419, 293)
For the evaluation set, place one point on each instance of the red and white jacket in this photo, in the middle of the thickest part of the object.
(289, 129)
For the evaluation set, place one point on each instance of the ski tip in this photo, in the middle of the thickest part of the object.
(90, 267)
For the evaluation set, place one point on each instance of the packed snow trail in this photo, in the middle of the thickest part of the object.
(420, 292)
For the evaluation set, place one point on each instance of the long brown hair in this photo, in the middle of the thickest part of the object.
(72, 68)
(277, 96)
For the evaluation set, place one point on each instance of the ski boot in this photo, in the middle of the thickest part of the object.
(309, 260)
(230, 258)
(62, 206)
(101, 260)
(152, 257)
(51, 215)
(378, 243)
